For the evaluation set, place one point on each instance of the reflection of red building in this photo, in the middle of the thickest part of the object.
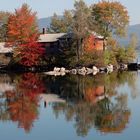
(51, 98)
(94, 94)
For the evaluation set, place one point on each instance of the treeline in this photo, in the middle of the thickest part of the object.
(105, 19)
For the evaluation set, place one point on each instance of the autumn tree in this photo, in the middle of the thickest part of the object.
(23, 34)
(80, 24)
(104, 18)
(28, 54)
(74, 21)
(22, 26)
(109, 18)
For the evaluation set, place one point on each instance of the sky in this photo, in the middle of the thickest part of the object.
(46, 8)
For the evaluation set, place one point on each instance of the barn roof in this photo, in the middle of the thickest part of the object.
(97, 35)
(53, 37)
(50, 37)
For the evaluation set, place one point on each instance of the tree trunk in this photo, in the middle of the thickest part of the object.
(79, 48)
(77, 51)
(104, 44)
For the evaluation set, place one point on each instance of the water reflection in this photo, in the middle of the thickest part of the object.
(20, 99)
(90, 102)
(93, 101)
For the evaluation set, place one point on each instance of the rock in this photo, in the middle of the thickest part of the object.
(67, 71)
(82, 71)
(95, 68)
(89, 71)
(123, 66)
(73, 71)
(50, 73)
(54, 73)
(109, 68)
(102, 70)
(95, 72)
(62, 73)
(56, 69)
(62, 69)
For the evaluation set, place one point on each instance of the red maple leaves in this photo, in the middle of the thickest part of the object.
(29, 54)
(23, 35)
(22, 26)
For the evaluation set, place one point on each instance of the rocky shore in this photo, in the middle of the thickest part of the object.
(85, 70)
(61, 71)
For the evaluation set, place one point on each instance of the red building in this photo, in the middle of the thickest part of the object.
(52, 42)
(94, 42)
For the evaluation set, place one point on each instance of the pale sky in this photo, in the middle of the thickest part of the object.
(46, 8)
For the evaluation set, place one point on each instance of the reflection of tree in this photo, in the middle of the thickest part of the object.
(82, 113)
(22, 109)
(79, 87)
(65, 87)
(112, 117)
(30, 84)
(108, 114)
(22, 102)
(84, 104)
(115, 80)
(5, 84)
(74, 88)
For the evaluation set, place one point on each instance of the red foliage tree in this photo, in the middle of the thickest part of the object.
(22, 26)
(23, 34)
(29, 54)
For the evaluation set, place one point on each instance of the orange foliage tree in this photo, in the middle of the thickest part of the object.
(29, 54)
(22, 26)
(23, 35)
(109, 18)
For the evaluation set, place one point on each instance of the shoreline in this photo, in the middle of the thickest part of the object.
(62, 71)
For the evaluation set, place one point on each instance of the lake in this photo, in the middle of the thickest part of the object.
(35, 106)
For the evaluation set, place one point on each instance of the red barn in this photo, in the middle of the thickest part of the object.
(94, 42)
(53, 41)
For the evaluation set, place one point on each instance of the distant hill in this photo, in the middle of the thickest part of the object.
(131, 29)
(45, 22)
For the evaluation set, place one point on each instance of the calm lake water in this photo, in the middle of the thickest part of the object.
(39, 107)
